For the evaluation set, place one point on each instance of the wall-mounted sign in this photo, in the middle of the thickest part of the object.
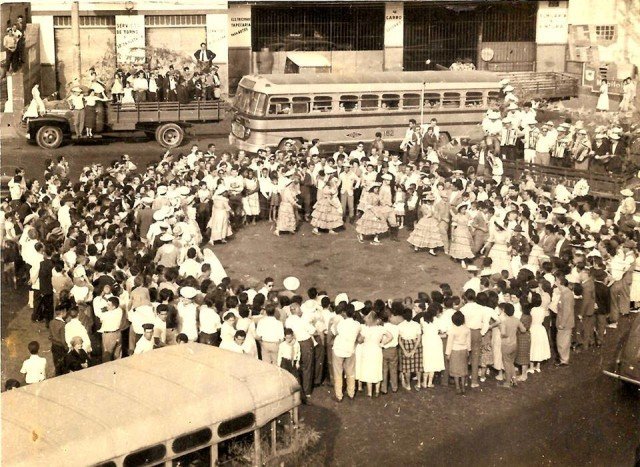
(130, 40)
(393, 24)
(239, 26)
(552, 25)
(487, 54)
(217, 37)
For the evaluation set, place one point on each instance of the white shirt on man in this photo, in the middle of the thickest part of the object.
(347, 331)
(34, 369)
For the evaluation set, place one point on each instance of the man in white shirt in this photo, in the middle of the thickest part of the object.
(145, 343)
(344, 348)
(110, 319)
(74, 328)
(270, 332)
(303, 331)
(139, 316)
(190, 267)
(390, 359)
(34, 368)
(358, 153)
(349, 182)
(473, 318)
(474, 282)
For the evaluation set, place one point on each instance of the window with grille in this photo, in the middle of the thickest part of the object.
(605, 32)
(410, 101)
(64, 22)
(451, 99)
(300, 105)
(279, 106)
(318, 28)
(175, 20)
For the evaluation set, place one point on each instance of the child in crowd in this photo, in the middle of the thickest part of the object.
(35, 367)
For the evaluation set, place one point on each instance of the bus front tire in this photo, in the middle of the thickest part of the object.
(169, 135)
(49, 137)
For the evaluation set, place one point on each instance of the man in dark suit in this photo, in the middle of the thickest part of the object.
(44, 308)
(204, 56)
(58, 343)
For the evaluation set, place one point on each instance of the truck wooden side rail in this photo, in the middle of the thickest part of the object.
(164, 121)
(602, 186)
(542, 85)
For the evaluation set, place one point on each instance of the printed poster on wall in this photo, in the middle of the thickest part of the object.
(393, 24)
(552, 25)
(217, 37)
(130, 39)
(239, 26)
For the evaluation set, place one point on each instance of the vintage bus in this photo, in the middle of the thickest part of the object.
(342, 109)
(166, 407)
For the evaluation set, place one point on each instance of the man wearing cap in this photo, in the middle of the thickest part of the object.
(613, 160)
(474, 282)
(110, 316)
(544, 143)
(599, 152)
(145, 343)
(168, 254)
(411, 143)
(560, 152)
(530, 139)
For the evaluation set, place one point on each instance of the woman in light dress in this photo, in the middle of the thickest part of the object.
(426, 233)
(628, 95)
(634, 294)
(603, 99)
(540, 349)
(327, 212)
(219, 223)
(286, 220)
(432, 351)
(497, 248)
(371, 222)
(461, 239)
(251, 197)
(369, 353)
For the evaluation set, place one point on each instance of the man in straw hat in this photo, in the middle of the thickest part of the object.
(76, 103)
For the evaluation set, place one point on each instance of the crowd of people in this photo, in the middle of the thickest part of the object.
(121, 262)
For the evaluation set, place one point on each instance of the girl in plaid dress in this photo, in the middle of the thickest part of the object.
(410, 350)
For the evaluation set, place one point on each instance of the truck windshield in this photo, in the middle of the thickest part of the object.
(250, 102)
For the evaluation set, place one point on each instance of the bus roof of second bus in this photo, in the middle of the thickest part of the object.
(109, 410)
(372, 82)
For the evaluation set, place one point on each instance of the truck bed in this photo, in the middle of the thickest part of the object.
(132, 116)
(543, 85)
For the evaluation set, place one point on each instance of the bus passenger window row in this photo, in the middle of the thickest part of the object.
(372, 102)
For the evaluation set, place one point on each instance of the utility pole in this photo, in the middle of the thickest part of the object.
(75, 35)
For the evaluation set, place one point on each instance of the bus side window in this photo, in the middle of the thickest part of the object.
(410, 101)
(300, 105)
(348, 103)
(432, 100)
(391, 101)
(451, 100)
(473, 99)
(369, 102)
(322, 104)
(279, 106)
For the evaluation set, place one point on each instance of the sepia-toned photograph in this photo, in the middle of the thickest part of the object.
(294, 233)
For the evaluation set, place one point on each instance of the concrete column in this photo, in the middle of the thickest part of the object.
(75, 31)
(47, 54)
(393, 36)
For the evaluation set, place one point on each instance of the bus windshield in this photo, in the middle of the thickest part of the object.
(250, 102)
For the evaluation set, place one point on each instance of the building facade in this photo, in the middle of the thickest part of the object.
(350, 36)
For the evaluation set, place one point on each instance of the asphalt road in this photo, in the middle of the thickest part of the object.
(567, 416)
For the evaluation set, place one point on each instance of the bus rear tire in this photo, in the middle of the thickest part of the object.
(49, 137)
(169, 135)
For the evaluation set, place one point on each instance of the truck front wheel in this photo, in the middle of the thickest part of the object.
(49, 137)
(169, 135)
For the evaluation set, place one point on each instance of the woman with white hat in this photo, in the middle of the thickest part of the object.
(219, 225)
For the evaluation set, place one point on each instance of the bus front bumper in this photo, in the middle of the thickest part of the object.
(243, 145)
